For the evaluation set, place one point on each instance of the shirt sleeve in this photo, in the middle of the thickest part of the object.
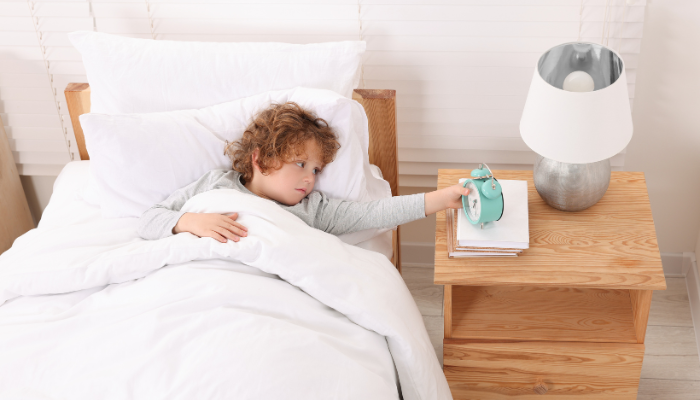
(340, 216)
(158, 221)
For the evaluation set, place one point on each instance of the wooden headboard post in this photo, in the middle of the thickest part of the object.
(380, 106)
(78, 100)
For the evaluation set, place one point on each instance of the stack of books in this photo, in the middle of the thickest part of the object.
(507, 237)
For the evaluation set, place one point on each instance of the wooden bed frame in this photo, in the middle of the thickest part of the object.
(379, 104)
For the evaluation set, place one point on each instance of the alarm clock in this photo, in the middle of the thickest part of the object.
(484, 203)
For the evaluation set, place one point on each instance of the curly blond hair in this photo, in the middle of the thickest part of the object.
(280, 132)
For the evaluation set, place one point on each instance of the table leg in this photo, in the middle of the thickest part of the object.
(447, 310)
(641, 303)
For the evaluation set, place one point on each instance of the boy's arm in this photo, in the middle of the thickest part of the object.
(158, 221)
(339, 216)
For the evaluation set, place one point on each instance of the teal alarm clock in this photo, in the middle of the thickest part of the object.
(484, 203)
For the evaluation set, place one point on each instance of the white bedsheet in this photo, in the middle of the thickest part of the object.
(206, 326)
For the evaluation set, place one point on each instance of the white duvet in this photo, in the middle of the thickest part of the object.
(92, 311)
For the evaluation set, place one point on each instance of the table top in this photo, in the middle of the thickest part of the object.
(610, 245)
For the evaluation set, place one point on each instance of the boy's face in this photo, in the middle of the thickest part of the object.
(295, 180)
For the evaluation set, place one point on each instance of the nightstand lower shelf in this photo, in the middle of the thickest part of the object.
(516, 370)
(542, 314)
(504, 342)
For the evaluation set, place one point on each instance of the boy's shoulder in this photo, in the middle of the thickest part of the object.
(215, 176)
(223, 178)
(220, 173)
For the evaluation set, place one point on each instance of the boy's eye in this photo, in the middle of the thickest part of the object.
(302, 164)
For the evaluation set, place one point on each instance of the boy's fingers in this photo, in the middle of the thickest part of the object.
(238, 229)
(218, 237)
(225, 233)
(241, 226)
(228, 224)
(462, 190)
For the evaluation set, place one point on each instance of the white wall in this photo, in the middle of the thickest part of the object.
(666, 115)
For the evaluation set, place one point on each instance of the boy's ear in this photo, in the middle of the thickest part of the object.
(254, 157)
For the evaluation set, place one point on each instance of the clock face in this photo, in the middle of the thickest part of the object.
(473, 202)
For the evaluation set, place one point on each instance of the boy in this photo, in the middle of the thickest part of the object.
(278, 158)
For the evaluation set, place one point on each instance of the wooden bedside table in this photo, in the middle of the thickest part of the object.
(566, 318)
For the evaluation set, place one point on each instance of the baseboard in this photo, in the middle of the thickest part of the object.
(417, 254)
(692, 281)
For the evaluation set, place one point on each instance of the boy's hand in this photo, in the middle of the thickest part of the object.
(217, 226)
(449, 197)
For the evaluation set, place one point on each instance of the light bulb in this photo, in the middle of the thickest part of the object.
(578, 81)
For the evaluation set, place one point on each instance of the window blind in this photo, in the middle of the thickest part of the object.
(461, 69)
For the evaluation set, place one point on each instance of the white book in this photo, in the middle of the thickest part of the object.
(511, 231)
(460, 254)
(491, 249)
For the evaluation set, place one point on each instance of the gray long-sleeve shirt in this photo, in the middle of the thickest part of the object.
(316, 210)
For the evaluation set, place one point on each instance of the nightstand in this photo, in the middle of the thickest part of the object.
(567, 318)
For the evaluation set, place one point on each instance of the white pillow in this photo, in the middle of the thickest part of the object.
(138, 160)
(129, 75)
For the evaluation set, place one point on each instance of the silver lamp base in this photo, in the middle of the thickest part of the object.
(571, 187)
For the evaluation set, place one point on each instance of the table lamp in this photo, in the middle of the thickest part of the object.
(576, 116)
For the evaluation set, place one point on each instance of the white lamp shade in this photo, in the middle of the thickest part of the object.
(576, 127)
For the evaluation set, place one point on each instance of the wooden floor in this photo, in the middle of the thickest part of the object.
(671, 369)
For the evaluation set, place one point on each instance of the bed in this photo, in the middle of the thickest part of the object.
(89, 310)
